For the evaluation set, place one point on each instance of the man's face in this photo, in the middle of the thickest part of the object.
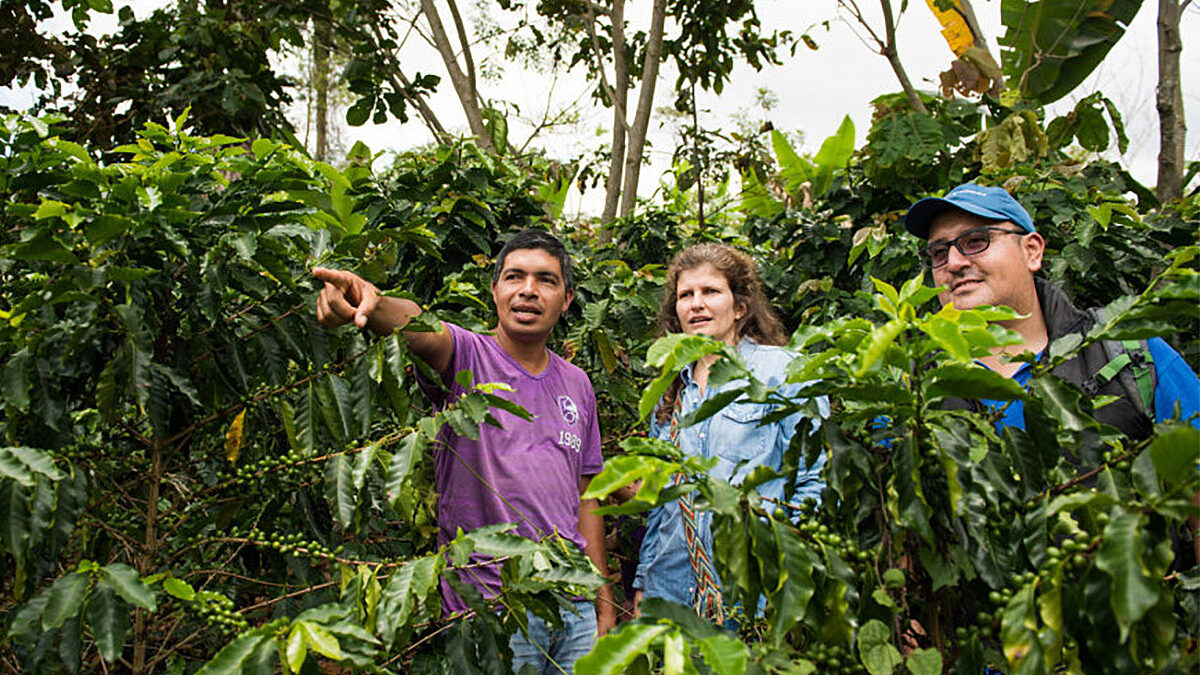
(530, 294)
(1000, 275)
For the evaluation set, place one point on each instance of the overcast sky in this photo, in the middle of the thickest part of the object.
(814, 90)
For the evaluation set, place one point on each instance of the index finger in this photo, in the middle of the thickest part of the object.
(332, 276)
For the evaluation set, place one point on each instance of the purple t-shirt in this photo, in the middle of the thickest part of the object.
(526, 472)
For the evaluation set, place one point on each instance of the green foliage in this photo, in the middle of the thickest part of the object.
(1049, 46)
(936, 532)
(187, 451)
(189, 446)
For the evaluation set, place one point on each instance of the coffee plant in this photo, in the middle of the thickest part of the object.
(196, 477)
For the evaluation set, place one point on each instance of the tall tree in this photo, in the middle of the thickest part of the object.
(320, 83)
(462, 76)
(1171, 127)
(706, 38)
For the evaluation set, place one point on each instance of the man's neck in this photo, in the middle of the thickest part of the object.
(1032, 330)
(531, 355)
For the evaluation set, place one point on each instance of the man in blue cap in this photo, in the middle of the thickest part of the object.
(984, 250)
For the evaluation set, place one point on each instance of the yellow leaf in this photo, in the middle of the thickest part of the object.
(954, 28)
(233, 437)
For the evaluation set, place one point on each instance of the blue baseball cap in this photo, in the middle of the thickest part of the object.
(987, 202)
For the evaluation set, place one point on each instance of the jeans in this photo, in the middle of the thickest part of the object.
(552, 651)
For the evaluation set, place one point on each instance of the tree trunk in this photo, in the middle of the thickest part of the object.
(321, 36)
(968, 13)
(620, 96)
(461, 81)
(1172, 129)
(893, 57)
(149, 554)
(641, 120)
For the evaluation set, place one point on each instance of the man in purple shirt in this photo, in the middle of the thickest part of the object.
(527, 472)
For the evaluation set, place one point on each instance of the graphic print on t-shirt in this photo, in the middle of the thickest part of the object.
(570, 412)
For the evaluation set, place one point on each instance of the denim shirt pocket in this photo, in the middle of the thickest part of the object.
(737, 438)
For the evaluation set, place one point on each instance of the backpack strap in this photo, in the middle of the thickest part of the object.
(1132, 364)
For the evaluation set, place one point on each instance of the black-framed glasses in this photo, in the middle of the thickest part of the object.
(971, 242)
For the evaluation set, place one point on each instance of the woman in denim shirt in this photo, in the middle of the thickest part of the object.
(713, 290)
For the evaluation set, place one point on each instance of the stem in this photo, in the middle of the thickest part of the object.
(893, 57)
(149, 553)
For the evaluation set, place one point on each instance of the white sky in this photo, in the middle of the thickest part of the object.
(815, 90)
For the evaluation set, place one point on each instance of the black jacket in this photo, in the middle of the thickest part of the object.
(1063, 318)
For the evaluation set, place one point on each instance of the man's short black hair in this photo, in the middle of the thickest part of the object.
(542, 239)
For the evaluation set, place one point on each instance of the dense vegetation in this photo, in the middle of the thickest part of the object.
(196, 477)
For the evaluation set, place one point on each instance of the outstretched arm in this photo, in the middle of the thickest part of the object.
(348, 298)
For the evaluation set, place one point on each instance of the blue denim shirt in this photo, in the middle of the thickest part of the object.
(733, 437)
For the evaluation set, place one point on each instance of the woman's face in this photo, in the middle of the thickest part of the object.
(706, 306)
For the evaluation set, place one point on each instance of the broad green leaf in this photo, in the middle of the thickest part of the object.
(105, 226)
(306, 419)
(614, 652)
(297, 648)
(674, 654)
(873, 348)
(14, 518)
(44, 248)
(108, 620)
(124, 580)
(26, 622)
(887, 290)
(15, 380)
(1073, 500)
(65, 600)
(336, 408)
(876, 650)
(396, 602)
(1049, 48)
(106, 390)
(1120, 555)
(833, 156)
(321, 641)
(235, 656)
(25, 464)
(262, 147)
(362, 465)
(1174, 454)
(949, 337)
(792, 167)
(624, 470)
(411, 448)
(724, 654)
(1018, 629)
(671, 354)
(924, 662)
(178, 588)
(797, 586)
(362, 401)
(970, 382)
(339, 489)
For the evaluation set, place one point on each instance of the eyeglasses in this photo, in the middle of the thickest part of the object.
(971, 242)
